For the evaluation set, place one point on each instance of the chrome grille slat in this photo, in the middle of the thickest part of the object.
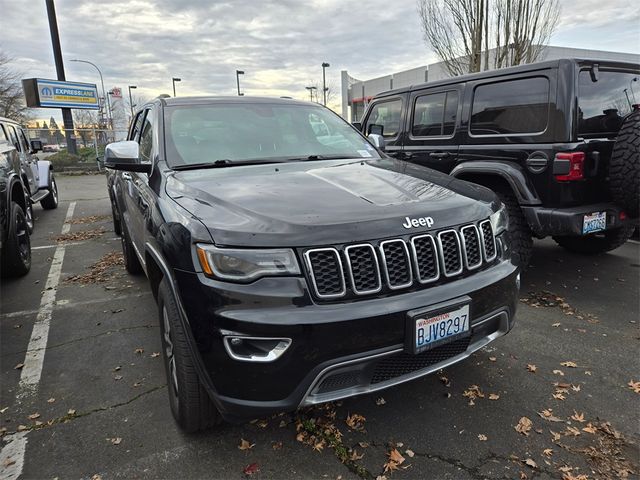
(370, 267)
(471, 246)
(450, 252)
(488, 241)
(396, 264)
(425, 257)
(363, 268)
(321, 262)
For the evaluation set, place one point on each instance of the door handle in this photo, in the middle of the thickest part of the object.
(126, 176)
(440, 155)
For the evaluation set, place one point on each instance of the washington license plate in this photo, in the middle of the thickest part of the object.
(433, 329)
(594, 222)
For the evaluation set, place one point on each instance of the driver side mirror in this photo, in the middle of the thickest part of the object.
(125, 156)
(377, 140)
(357, 126)
(36, 146)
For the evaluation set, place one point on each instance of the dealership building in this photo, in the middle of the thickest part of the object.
(357, 93)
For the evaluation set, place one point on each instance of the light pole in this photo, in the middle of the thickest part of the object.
(174, 80)
(131, 99)
(311, 89)
(238, 73)
(324, 84)
(104, 94)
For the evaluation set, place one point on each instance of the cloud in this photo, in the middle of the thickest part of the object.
(280, 44)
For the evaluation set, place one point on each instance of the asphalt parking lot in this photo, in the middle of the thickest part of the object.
(83, 391)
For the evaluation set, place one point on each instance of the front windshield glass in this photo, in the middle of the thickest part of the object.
(252, 131)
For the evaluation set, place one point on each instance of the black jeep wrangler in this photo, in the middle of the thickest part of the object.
(558, 141)
(293, 263)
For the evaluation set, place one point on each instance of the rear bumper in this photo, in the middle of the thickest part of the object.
(569, 221)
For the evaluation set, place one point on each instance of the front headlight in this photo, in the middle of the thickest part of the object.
(499, 220)
(245, 265)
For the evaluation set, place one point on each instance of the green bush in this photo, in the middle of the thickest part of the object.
(66, 159)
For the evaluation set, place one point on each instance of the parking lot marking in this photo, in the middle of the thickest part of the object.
(30, 375)
(12, 455)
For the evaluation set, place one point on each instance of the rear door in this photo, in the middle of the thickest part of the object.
(25, 163)
(388, 115)
(432, 133)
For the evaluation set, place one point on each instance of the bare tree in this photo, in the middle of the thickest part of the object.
(85, 122)
(12, 102)
(472, 35)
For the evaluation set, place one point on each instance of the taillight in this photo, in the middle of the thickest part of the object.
(569, 166)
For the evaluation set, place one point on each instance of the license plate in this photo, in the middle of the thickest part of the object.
(435, 328)
(594, 222)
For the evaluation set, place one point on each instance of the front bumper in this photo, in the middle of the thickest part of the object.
(569, 221)
(336, 348)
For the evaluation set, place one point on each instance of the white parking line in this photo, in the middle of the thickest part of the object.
(12, 455)
(30, 375)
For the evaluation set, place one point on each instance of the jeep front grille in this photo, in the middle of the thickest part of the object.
(395, 264)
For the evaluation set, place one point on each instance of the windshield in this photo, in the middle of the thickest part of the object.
(248, 131)
(602, 105)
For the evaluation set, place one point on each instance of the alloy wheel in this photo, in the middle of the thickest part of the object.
(169, 354)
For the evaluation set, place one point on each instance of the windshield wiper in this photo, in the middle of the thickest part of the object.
(319, 157)
(222, 163)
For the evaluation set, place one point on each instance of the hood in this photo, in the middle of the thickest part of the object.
(325, 202)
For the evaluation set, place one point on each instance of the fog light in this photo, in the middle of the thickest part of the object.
(255, 349)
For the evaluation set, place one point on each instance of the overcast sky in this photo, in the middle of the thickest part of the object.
(280, 44)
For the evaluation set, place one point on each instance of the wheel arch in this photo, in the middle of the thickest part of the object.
(494, 174)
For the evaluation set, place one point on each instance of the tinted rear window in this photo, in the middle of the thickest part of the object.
(513, 107)
(602, 105)
(435, 114)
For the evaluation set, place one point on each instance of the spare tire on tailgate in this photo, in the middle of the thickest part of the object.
(624, 167)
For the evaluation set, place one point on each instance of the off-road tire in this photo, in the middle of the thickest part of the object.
(29, 213)
(117, 224)
(190, 403)
(131, 262)
(519, 231)
(596, 243)
(16, 249)
(51, 201)
(624, 166)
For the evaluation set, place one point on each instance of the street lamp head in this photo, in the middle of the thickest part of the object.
(239, 72)
(176, 79)
(133, 86)
(325, 64)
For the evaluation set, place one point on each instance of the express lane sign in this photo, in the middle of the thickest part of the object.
(43, 93)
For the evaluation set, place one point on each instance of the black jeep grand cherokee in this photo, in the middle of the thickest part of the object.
(293, 263)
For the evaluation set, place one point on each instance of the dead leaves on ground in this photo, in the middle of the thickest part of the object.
(635, 386)
(549, 299)
(355, 422)
(78, 236)
(394, 462)
(98, 272)
(524, 426)
(244, 445)
(89, 219)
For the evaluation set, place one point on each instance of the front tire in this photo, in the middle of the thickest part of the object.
(596, 243)
(190, 403)
(16, 251)
(51, 201)
(519, 231)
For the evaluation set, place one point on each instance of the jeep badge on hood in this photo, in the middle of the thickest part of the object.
(417, 222)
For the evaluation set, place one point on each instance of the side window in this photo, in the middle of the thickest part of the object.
(23, 141)
(146, 139)
(511, 107)
(435, 114)
(387, 115)
(13, 136)
(136, 125)
(3, 134)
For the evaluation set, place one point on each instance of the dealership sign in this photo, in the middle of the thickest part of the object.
(42, 93)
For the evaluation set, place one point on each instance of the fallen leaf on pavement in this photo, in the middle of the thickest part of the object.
(635, 386)
(115, 441)
(380, 401)
(547, 452)
(319, 445)
(555, 324)
(51, 400)
(558, 372)
(555, 436)
(548, 415)
(530, 462)
(558, 396)
(575, 388)
(395, 460)
(251, 469)
(531, 367)
(569, 364)
(590, 429)
(155, 354)
(494, 396)
(139, 351)
(354, 457)
(18, 366)
(524, 426)
(445, 380)
(71, 411)
(355, 421)
(482, 438)
(33, 416)
(409, 453)
(363, 444)
(22, 428)
(578, 417)
(492, 359)
(472, 393)
(572, 431)
(244, 445)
